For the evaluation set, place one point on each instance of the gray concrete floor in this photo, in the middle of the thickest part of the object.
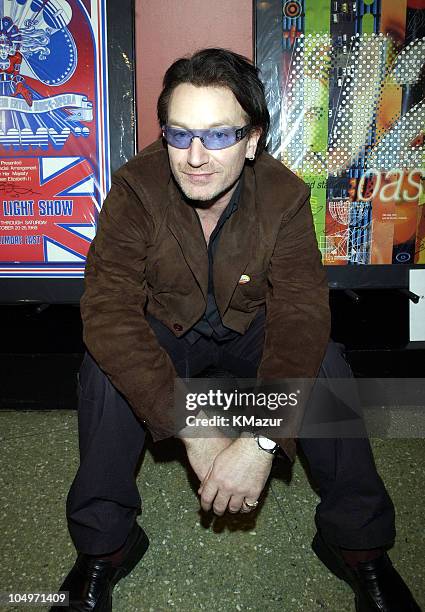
(260, 562)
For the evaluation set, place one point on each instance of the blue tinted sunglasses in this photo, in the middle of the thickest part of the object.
(214, 138)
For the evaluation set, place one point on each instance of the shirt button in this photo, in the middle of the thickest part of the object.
(177, 327)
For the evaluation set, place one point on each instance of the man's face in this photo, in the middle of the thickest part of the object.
(5, 48)
(204, 174)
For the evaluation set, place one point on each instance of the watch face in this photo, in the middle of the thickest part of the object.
(266, 443)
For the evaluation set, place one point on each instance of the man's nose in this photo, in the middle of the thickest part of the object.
(197, 154)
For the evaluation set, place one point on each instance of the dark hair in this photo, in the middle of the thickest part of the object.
(220, 67)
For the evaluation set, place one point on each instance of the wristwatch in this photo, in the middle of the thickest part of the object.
(266, 444)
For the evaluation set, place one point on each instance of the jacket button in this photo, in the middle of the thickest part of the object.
(177, 327)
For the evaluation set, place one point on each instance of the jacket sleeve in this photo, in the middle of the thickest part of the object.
(116, 332)
(297, 305)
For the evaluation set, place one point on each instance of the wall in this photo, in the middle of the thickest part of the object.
(169, 29)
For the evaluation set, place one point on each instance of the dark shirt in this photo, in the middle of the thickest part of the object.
(210, 324)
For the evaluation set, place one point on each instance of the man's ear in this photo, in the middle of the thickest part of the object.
(253, 138)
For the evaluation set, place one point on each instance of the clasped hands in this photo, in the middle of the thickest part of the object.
(232, 472)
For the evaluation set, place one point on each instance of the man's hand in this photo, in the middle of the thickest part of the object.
(201, 453)
(238, 473)
(202, 450)
(25, 93)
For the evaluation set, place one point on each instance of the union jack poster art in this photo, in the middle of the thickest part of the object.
(54, 141)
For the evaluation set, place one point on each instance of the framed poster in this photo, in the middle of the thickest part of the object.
(58, 88)
(345, 84)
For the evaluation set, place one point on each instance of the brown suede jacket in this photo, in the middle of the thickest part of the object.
(149, 254)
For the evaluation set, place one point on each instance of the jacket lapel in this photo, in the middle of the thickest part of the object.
(237, 239)
(184, 224)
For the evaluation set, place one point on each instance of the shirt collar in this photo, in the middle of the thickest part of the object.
(234, 200)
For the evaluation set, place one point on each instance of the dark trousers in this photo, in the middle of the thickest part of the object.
(355, 510)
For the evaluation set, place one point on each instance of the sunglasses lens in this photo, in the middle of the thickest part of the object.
(214, 139)
(219, 139)
(180, 139)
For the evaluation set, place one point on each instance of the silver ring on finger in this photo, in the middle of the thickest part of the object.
(250, 505)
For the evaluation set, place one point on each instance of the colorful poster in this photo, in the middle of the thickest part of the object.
(54, 142)
(350, 81)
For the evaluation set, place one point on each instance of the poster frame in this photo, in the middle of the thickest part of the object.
(120, 28)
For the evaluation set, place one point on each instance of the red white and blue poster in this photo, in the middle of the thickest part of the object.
(54, 141)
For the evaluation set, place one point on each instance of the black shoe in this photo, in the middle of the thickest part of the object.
(91, 580)
(377, 585)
